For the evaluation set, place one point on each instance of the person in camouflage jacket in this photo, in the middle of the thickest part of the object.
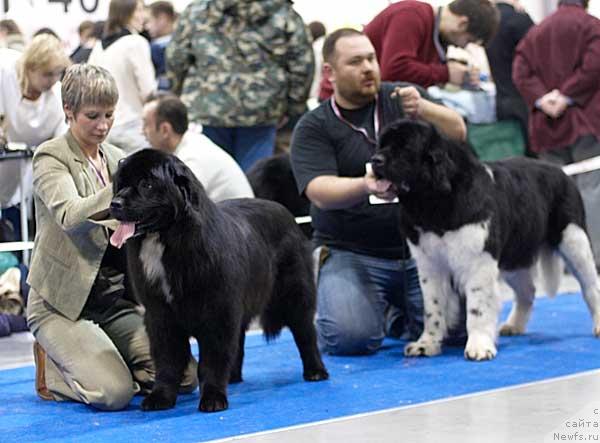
(241, 67)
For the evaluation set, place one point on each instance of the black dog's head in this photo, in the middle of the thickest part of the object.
(415, 158)
(154, 190)
(271, 178)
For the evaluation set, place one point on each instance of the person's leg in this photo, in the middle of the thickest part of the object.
(128, 333)
(222, 137)
(351, 302)
(81, 361)
(254, 143)
(404, 318)
(589, 186)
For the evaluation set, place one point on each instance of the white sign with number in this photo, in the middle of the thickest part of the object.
(62, 16)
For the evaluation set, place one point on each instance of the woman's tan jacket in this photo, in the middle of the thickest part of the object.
(68, 246)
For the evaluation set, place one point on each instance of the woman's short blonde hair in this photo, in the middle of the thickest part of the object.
(44, 52)
(88, 85)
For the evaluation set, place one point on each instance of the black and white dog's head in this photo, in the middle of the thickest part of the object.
(154, 190)
(415, 158)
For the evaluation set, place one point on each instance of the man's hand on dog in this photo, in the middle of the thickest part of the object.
(380, 188)
(412, 102)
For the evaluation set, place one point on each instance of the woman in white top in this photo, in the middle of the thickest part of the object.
(126, 55)
(30, 103)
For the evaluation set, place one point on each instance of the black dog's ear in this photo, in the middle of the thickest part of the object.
(442, 167)
(182, 181)
(187, 183)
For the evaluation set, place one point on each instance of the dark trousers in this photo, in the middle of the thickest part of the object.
(585, 147)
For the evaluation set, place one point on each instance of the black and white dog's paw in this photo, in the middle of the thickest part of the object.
(480, 347)
(508, 329)
(597, 325)
(422, 348)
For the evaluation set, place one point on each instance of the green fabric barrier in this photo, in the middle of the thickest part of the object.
(494, 141)
(7, 260)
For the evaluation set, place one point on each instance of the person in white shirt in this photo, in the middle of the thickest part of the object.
(166, 128)
(30, 104)
(126, 55)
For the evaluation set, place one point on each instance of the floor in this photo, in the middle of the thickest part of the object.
(562, 409)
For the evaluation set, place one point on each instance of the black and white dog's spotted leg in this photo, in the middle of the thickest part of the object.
(483, 306)
(521, 282)
(435, 286)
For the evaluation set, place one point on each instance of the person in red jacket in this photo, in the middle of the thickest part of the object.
(411, 38)
(556, 70)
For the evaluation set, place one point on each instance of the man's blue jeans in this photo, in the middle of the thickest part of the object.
(245, 145)
(356, 293)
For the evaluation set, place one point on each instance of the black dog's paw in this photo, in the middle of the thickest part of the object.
(235, 378)
(316, 375)
(213, 402)
(157, 401)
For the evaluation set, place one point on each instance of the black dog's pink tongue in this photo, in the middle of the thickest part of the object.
(123, 232)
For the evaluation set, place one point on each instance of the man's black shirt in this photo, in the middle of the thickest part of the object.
(324, 144)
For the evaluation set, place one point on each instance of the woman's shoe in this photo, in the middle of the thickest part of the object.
(39, 355)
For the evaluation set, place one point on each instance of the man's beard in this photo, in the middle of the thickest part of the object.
(360, 96)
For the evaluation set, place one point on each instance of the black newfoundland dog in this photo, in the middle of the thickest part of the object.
(272, 178)
(468, 223)
(205, 270)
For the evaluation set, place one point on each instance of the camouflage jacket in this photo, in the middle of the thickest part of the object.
(241, 62)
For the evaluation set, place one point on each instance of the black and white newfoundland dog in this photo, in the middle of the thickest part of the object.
(468, 223)
(205, 270)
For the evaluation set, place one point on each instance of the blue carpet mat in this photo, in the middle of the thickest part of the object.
(273, 395)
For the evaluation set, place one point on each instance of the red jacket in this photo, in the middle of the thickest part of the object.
(402, 35)
(562, 52)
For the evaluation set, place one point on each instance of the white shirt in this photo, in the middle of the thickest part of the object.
(128, 60)
(27, 121)
(218, 172)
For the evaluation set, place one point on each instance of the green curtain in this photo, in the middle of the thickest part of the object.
(495, 141)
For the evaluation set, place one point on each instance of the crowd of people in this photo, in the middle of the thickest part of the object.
(216, 86)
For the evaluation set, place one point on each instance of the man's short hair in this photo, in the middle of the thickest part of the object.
(170, 109)
(162, 7)
(331, 40)
(483, 16)
(85, 26)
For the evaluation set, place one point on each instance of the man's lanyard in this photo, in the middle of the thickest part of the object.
(363, 131)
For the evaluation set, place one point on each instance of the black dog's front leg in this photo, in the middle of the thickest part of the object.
(236, 370)
(214, 371)
(171, 354)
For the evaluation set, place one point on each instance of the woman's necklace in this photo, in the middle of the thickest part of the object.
(99, 169)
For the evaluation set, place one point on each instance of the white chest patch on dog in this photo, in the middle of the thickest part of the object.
(151, 254)
(454, 251)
